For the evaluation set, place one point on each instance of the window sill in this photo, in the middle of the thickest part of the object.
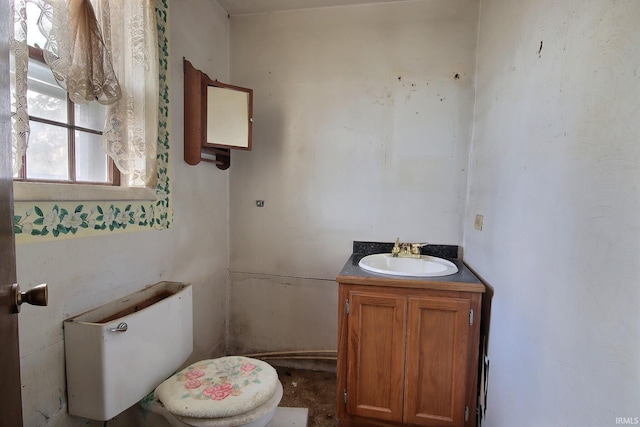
(44, 192)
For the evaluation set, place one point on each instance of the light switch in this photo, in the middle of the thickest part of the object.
(478, 223)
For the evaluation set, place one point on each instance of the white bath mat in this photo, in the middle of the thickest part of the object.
(290, 417)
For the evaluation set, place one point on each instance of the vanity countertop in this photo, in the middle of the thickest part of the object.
(463, 280)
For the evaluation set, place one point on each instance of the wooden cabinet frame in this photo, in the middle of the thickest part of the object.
(423, 348)
(197, 118)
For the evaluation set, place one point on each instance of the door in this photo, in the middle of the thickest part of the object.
(375, 355)
(438, 332)
(11, 402)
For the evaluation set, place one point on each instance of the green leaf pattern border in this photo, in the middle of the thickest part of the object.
(52, 220)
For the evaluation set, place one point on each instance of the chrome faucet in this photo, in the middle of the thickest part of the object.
(407, 250)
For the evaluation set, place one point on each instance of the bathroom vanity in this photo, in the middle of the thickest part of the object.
(408, 348)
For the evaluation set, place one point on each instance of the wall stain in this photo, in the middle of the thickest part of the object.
(540, 50)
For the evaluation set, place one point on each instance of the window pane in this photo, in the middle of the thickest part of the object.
(44, 97)
(91, 162)
(91, 115)
(48, 153)
(34, 36)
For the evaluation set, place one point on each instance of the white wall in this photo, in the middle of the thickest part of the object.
(554, 169)
(85, 272)
(361, 132)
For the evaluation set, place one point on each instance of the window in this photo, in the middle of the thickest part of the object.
(49, 211)
(58, 141)
(64, 144)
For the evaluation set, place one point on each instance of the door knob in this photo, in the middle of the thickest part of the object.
(38, 295)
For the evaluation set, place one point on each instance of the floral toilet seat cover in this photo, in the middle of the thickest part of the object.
(218, 388)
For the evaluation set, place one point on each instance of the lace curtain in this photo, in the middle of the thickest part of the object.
(77, 53)
(19, 60)
(114, 62)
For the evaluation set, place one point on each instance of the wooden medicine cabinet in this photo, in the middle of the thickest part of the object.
(218, 117)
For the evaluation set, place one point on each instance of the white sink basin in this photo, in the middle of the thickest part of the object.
(425, 266)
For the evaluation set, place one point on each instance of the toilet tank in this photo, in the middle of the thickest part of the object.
(108, 368)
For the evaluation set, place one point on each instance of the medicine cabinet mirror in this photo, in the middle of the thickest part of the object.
(218, 117)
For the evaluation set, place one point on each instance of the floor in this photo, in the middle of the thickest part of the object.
(314, 390)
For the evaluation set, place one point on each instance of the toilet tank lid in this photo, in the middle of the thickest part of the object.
(218, 388)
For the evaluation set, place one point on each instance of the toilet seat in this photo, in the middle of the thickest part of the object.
(266, 411)
(227, 391)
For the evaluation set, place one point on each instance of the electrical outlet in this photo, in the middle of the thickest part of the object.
(478, 223)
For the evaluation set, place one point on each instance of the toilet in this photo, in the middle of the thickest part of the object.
(225, 392)
(127, 352)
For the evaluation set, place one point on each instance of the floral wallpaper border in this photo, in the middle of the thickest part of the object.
(67, 219)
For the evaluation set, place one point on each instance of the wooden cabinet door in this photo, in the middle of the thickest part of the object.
(436, 361)
(375, 359)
